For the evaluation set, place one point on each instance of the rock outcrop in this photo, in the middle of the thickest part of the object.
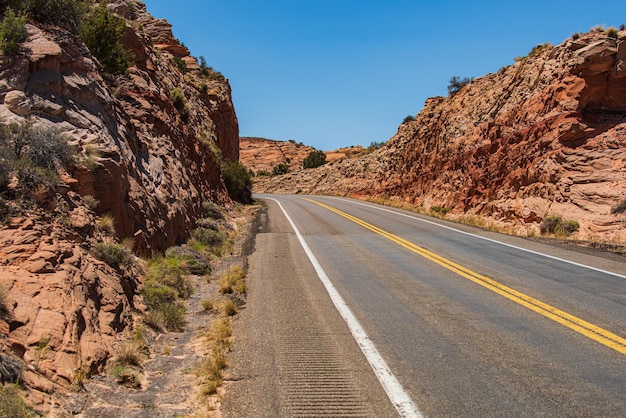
(262, 155)
(148, 161)
(543, 136)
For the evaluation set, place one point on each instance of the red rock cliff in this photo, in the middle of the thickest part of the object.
(543, 136)
(150, 162)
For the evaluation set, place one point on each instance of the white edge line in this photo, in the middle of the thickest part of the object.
(400, 399)
(484, 238)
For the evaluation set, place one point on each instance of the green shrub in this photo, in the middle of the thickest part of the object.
(12, 31)
(212, 210)
(12, 404)
(180, 64)
(33, 155)
(314, 159)
(102, 33)
(170, 272)
(178, 98)
(440, 209)
(238, 181)
(164, 309)
(456, 83)
(31, 178)
(408, 119)
(280, 169)
(209, 237)
(537, 49)
(67, 14)
(115, 255)
(191, 261)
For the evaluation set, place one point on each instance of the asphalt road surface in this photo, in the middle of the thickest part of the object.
(443, 320)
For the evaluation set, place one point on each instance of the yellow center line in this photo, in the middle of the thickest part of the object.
(581, 326)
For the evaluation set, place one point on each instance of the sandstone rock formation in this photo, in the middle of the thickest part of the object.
(543, 136)
(262, 155)
(150, 165)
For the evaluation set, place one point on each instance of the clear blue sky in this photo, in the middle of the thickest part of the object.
(333, 73)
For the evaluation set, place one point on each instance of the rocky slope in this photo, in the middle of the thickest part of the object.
(148, 162)
(543, 136)
(262, 155)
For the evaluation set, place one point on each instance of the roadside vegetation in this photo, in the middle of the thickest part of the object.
(238, 181)
(314, 159)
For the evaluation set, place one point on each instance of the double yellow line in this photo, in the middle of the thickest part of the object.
(581, 326)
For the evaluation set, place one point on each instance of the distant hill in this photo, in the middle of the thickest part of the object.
(262, 155)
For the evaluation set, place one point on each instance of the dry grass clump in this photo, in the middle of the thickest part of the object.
(4, 309)
(210, 370)
(233, 281)
(107, 223)
(127, 364)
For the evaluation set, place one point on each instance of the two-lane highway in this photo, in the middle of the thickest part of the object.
(469, 323)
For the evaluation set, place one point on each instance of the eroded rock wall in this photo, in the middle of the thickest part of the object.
(149, 163)
(543, 136)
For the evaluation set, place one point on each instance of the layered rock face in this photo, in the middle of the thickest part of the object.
(156, 164)
(543, 136)
(150, 162)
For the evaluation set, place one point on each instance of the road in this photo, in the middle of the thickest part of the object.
(467, 322)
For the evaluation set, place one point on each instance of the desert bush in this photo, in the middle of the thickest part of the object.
(192, 261)
(12, 31)
(102, 33)
(12, 404)
(456, 83)
(554, 224)
(170, 271)
(67, 14)
(126, 376)
(314, 159)
(115, 255)
(212, 210)
(129, 354)
(238, 181)
(442, 210)
(408, 119)
(33, 155)
(208, 223)
(180, 64)
(164, 309)
(537, 49)
(208, 237)
(31, 178)
(178, 98)
(280, 169)
(612, 33)
(10, 369)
